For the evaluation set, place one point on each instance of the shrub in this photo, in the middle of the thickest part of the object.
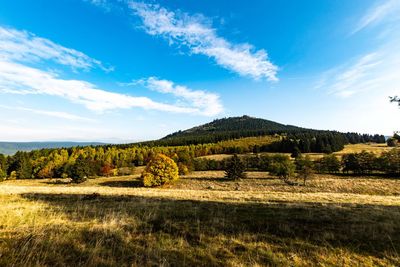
(235, 168)
(283, 168)
(13, 175)
(3, 175)
(106, 169)
(160, 170)
(392, 142)
(183, 169)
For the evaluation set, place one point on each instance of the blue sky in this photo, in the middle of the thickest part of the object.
(120, 71)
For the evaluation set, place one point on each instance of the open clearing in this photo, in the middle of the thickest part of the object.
(201, 220)
(351, 148)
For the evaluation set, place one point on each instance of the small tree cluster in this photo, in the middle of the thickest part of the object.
(159, 171)
(327, 164)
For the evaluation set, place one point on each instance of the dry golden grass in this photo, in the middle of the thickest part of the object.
(352, 148)
(370, 147)
(203, 220)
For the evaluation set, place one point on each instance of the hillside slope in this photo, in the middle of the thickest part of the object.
(228, 128)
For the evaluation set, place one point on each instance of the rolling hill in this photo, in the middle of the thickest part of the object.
(227, 129)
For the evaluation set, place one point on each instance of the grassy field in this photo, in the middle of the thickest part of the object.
(352, 148)
(201, 220)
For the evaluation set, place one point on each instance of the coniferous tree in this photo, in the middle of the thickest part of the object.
(80, 170)
(235, 168)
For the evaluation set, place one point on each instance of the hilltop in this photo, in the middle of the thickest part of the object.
(227, 129)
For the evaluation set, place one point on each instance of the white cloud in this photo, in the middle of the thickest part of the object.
(16, 77)
(23, 46)
(384, 10)
(195, 33)
(19, 79)
(207, 103)
(56, 114)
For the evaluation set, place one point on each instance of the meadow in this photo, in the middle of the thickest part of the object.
(350, 148)
(201, 220)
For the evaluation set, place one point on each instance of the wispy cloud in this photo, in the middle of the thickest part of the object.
(19, 79)
(104, 4)
(56, 114)
(16, 77)
(387, 10)
(371, 72)
(195, 33)
(206, 103)
(24, 46)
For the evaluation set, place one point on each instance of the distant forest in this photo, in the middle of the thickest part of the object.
(226, 136)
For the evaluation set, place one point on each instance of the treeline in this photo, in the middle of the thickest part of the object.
(352, 163)
(305, 140)
(320, 141)
(120, 159)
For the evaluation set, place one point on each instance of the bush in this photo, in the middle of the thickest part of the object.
(183, 169)
(392, 142)
(284, 168)
(3, 175)
(235, 168)
(160, 170)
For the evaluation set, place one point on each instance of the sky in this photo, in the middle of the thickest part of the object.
(122, 71)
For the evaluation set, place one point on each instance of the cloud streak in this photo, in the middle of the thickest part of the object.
(377, 71)
(199, 37)
(389, 9)
(24, 46)
(55, 114)
(207, 103)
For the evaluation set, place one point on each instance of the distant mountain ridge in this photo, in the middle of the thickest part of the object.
(9, 148)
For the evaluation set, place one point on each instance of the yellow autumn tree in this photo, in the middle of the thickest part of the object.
(160, 170)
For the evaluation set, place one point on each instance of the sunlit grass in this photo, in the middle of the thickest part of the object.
(201, 220)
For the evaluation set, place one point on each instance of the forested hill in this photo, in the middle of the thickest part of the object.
(227, 128)
(233, 125)
(306, 140)
(10, 148)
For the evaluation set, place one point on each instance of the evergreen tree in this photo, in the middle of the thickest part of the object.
(235, 168)
(80, 170)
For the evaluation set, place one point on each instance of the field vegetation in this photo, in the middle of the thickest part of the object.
(202, 219)
(251, 192)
